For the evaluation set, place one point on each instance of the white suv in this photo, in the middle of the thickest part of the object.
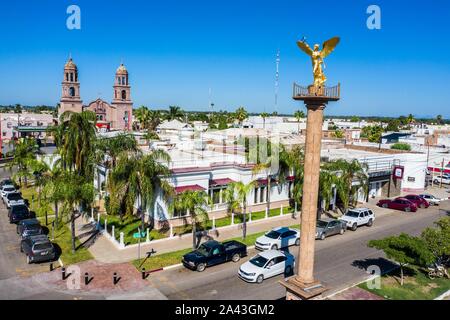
(7, 189)
(445, 179)
(358, 217)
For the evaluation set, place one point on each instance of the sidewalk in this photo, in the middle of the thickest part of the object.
(104, 251)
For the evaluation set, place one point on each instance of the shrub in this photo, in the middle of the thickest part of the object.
(401, 146)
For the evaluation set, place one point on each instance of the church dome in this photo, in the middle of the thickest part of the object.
(70, 65)
(122, 69)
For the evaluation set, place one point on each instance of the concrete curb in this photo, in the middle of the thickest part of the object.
(443, 296)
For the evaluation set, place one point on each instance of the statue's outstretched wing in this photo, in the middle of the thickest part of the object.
(305, 48)
(329, 45)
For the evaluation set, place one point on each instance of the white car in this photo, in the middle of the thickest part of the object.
(431, 199)
(354, 218)
(6, 190)
(13, 199)
(445, 179)
(265, 265)
(278, 238)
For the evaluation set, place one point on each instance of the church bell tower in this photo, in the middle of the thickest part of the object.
(70, 98)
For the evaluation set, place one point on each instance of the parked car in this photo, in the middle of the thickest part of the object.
(265, 265)
(7, 189)
(431, 199)
(354, 218)
(445, 179)
(18, 213)
(13, 199)
(329, 227)
(398, 204)
(38, 249)
(6, 182)
(213, 252)
(278, 238)
(29, 227)
(417, 200)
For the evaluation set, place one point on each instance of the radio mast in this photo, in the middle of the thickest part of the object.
(277, 74)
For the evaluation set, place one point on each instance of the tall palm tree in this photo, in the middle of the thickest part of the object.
(24, 153)
(291, 163)
(39, 169)
(240, 114)
(175, 112)
(137, 177)
(236, 195)
(439, 119)
(299, 114)
(264, 115)
(155, 119)
(195, 204)
(75, 138)
(142, 115)
(114, 146)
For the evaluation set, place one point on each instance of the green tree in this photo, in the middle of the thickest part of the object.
(372, 133)
(175, 112)
(114, 146)
(355, 119)
(299, 114)
(437, 239)
(393, 125)
(292, 164)
(236, 195)
(240, 114)
(439, 119)
(403, 249)
(195, 204)
(24, 153)
(401, 146)
(264, 115)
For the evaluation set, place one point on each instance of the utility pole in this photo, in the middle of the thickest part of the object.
(442, 172)
(277, 75)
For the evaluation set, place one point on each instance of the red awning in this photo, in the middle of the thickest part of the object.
(194, 187)
(220, 182)
(290, 178)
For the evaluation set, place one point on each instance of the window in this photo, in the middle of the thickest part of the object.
(4, 133)
(256, 195)
(279, 259)
(72, 91)
(124, 95)
(216, 196)
(290, 189)
(119, 80)
(179, 213)
(9, 125)
(289, 233)
(262, 194)
(67, 76)
(123, 81)
(71, 77)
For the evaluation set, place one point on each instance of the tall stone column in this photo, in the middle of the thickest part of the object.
(305, 259)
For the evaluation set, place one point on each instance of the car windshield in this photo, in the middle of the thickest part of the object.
(258, 261)
(9, 189)
(43, 246)
(14, 196)
(321, 224)
(353, 214)
(273, 234)
(204, 250)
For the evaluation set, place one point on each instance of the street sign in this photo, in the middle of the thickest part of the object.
(139, 235)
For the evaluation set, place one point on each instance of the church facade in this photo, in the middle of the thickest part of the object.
(116, 115)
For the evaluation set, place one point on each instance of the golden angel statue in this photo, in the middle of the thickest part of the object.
(317, 57)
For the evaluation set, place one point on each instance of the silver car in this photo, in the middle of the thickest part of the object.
(329, 227)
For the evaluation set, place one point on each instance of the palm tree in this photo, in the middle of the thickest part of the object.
(439, 119)
(264, 115)
(175, 112)
(240, 114)
(155, 119)
(39, 170)
(23, 154)
(291, 164)
(299, 114)
(75, 139)
(114, 146)
(236, 196)
(195, 204)
(142, 115)
(76, 191)
(137, 177)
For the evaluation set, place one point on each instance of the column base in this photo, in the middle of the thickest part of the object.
(297, 290)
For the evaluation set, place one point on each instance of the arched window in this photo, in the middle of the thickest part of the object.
(67, 76)
(72, 91)
(124, 95)
(119, 80)
(123, 81)
(71, 77)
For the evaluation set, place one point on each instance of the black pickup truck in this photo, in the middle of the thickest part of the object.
(212, 252)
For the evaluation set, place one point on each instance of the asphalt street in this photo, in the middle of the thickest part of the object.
(340, 261)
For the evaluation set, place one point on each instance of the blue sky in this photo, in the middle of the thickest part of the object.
(176, 50)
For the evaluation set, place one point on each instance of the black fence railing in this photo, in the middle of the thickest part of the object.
(312, 91)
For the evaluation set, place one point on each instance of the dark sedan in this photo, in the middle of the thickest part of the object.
(329, 227)
(402, 204)
(29, 227)
(18, 213)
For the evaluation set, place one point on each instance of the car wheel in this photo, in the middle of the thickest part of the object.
(297, 242)
(370, 223)
(28, 260)
(288, 270)
(260, 278)
(407, 209)
(342, 231)
(385, 205)
(201, 267)
(354, 227)
(322, 236)
(236, 257)
(274, 247)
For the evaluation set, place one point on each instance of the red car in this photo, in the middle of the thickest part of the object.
(398, 204)
(418, 200)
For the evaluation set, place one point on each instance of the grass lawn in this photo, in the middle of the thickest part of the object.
(171, 258)
(30, 193)
(417, 285)
(130, 225)
(63, 240)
